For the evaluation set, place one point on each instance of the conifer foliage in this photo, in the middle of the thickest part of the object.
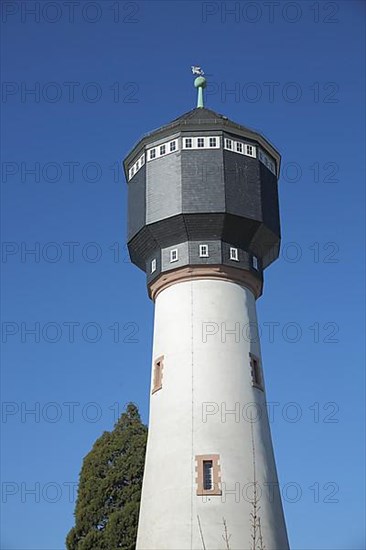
(107, 507)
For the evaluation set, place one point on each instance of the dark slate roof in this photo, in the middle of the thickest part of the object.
(199, 117)
(203, 119)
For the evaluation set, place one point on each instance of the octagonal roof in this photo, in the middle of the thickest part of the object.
(203, 119)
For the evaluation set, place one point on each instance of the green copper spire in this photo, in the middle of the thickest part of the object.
(200, 83)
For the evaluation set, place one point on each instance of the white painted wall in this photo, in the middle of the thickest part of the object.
(199, 370)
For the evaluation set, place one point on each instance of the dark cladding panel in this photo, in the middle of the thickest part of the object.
(204, 226)
(136, 203)
(169, 231)
(202, 181)
(163, 188)
(140, 247)
(239, 231)
(270, 207)
(242, 185)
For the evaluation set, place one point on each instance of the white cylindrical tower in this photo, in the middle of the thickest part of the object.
(210, 471)
(204, 225)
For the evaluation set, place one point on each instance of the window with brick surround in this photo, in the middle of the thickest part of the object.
(158, 374)
(256, 371)
(208, 475)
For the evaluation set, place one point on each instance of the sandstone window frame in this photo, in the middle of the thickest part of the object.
(158, 374)
(256, 372)
(201, 462)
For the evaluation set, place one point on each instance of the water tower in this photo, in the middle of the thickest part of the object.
(203, 223)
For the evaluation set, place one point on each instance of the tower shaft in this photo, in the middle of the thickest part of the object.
(210, 477)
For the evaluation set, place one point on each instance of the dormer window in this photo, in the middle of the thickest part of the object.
(152, 154)
(200, 142)
(188, 143)
(173, 146)
(162, 149)
(239, 147)
(228, 144)
(234, 255)
(212, 142)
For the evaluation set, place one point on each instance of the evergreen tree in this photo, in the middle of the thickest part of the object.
(107, 507)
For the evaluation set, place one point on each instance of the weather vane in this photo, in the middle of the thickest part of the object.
(200, 83)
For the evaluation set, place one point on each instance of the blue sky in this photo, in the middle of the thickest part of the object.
(102, 76)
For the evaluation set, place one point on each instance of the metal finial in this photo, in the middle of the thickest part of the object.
(200, 83)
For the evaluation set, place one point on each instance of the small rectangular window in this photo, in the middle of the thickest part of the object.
(153, 265)
(142, 160)
(228, 144)
(255, 262)
(234, 254)
(256, 371)
(158, 374)
(239, 147)
(212, 142)
(200, 142)
(249, 150)
(130, 173)
(203, 251)
(188, 143)
(173, 146)
(208, 475)
(162, 149)
(174, 255)
(152, 153)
